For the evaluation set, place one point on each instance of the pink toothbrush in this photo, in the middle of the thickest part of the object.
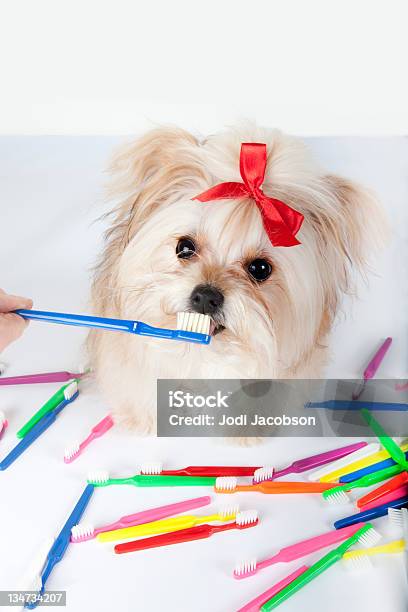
(372, 367)
(255, 604)
(76, 449)
(3, 424)
(296, 551)
(309, 463)
(46, 377)
(81, 533)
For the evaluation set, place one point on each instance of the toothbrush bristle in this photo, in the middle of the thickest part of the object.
(229, 513)
(71, 452)
(395, 516)
(225, 484)
(80, 533)
(151, 468)
(2, 418)
(248, 518)
(336, 497)
(263, 473)
(70, 391)
(3, 367)
(245, 569)
(98, 477)
(194, 322)
(358, 563)
(369, 538)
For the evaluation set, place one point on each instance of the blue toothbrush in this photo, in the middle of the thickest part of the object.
(356, 405)
(71, 393)
(193, 327)
(60, 545)
(375, 467)
(371, 514)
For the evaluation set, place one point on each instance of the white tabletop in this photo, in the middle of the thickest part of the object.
(50, 193)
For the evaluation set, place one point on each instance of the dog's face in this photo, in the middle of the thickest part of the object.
(170, 253)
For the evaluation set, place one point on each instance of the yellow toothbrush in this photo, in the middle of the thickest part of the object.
(392, 547)
(166, 525)
(358, 465)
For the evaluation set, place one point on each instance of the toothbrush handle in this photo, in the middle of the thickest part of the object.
(292, 487)
(26, 442)
(162, 512)
(47, 377)
(301, 549)
(184, 535)
(254, 604)
(78, 320)
(395, 483)
(61, 543)
(211, 471)
(315, 570)
(315, 461)
(371, 514)
(102, 427)
(376, 361)
(388, 443)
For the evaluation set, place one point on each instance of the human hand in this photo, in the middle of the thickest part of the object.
(11, 325)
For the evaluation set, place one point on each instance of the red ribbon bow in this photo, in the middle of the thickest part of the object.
(281, 222)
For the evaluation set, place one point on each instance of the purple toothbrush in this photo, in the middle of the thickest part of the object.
(303, 465)
(372, 367)
(46, 377)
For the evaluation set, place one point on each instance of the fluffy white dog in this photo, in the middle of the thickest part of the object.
(166, 252)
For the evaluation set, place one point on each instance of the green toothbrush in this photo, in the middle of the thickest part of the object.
(367, 536)
(49, 405)
(337, 495)
(102, 479)
(388, 443)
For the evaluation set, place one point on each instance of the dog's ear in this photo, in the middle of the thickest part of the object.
(350, 227)
(151, 172)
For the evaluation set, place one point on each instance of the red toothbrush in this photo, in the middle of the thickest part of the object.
(155, 469)
(391, 485)
(243, 520)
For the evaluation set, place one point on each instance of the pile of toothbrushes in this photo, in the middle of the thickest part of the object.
(332, 475)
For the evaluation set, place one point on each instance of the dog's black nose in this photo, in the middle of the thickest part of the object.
(206, 299)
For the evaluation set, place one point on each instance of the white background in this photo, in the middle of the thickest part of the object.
(108, 68)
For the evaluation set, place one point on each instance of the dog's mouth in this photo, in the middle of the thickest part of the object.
(216, 328)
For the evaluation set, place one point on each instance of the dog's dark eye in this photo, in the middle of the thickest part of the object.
(259, 269)
(185, 248)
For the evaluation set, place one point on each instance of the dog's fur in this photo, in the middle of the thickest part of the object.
(275, 329)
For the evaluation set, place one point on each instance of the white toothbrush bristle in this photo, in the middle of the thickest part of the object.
(229, 512)
(82, 532)
(246, 518)
(263, 473)
(358, 563)
(2, 418)
(151, 468)
(396, 515)
(226, 483)
(245, 568)
(71, 452)
(98, 477)
(369, 538)
(194, 322)
(70, 391)
(337, 497)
